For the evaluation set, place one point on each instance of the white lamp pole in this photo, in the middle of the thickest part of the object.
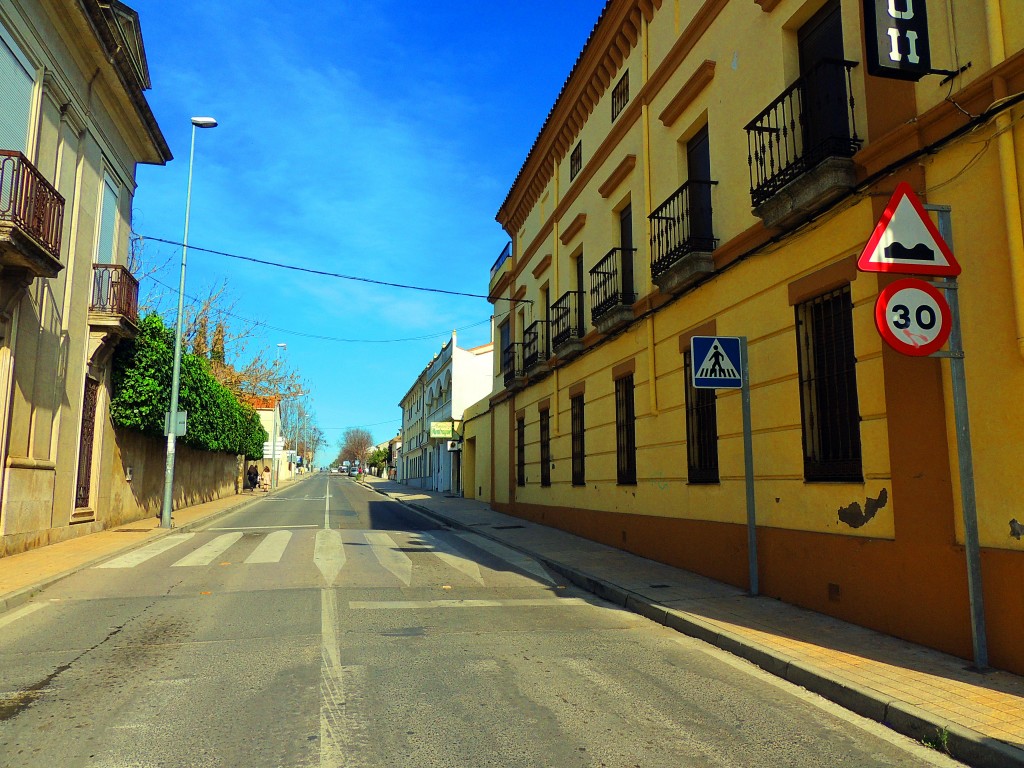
(165, 515)
(273, 437)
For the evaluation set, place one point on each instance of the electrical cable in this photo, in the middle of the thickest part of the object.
(323, 273)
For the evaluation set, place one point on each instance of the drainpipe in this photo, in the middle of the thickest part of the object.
(1008, 172)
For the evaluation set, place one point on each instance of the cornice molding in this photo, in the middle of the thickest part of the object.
(541, 266)
(767, 5)
(691, 89)
(617, 176)
(574, 228)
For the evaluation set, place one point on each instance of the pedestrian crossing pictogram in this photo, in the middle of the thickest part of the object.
(716, 362)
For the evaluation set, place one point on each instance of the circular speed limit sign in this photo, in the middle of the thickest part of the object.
(913, 317)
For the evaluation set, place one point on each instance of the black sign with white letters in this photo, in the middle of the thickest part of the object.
(896, 32)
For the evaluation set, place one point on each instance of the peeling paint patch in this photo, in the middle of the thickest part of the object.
(855, 517)
(1016, 529)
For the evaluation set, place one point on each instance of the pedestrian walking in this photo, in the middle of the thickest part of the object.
(253, 477)
(266, 478)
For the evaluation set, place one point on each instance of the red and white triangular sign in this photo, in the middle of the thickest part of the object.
(906, 242)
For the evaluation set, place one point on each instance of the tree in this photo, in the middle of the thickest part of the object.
(355, 444)
(379, 459)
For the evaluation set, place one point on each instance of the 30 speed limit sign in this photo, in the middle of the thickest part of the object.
(913, 317)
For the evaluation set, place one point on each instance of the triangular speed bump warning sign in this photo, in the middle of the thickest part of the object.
(716, 362)
(906, 242)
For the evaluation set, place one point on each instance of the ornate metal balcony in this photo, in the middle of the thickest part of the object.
(512, 365)
(567, 327)
(799, 147)
(114, 305)
(31, 217)
(681, 237)
(611, 290)
(536, 350)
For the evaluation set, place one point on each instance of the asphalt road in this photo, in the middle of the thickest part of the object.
(329, 626)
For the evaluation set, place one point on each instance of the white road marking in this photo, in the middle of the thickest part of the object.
(453, 557)
(327, 507)
(21, 613)
(260, 527)
(343, 734)
(509, 555)
(141, 555)
(329, 554)
(271, 548)
(539, 602)
(211, 550)
(385, 550)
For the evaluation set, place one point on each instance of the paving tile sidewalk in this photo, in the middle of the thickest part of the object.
(912, 689)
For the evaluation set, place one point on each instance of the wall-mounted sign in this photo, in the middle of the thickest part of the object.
(442, 429)
(896, 32)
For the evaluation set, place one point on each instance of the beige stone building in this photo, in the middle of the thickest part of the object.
(74, 123)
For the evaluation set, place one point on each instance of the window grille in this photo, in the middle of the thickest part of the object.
(545, 448)
(828, 388)
(578, 445)
(625, 431)
(576, 160)
(701, 429)
(521, 452)
(620, 95)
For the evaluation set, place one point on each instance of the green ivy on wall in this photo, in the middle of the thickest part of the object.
(217, 421)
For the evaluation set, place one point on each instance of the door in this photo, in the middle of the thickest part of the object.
(626, 244)
(824, 107)
(698, 170)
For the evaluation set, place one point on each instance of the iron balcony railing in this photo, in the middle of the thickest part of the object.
(567, 318)
(811, 120)
(512, 362)
(682, 225)
(115, 291)
(29, 201)
(535, 344)
(505, 253)
(611, 282)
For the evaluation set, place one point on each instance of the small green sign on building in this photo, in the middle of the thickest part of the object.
(442, 429)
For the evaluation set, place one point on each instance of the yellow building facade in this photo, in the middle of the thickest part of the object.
(716, 168)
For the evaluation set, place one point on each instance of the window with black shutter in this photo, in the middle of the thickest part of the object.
(625, 431)
(701, 429)
(578, 446)
(520, 452)
(545, 448)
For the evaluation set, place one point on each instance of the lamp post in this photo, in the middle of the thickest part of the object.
(172, 421)
(273, 437)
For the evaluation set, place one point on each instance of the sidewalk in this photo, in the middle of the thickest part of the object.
(924, 694)
(927, 695)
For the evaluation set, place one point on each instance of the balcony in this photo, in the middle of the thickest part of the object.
(567, 327)
(500, 267)
(31, 218)
(611, 290)
(536, 350)
(114, 305)
(512, 366)
(682, 239)
(799, 147)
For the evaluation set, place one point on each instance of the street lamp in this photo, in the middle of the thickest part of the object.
(172, 420)
(273, 437)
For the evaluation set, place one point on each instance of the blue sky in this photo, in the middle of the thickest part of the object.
(372, 139)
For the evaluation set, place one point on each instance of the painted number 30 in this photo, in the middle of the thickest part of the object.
(924, 316)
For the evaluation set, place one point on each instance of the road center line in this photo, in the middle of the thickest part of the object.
(327, 505)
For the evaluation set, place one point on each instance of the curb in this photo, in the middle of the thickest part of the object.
(955, 740)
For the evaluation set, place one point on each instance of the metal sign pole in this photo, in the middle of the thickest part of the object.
(748, 466)
(965, 458)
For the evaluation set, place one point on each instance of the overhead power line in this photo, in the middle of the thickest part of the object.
(293, 332)
(338, 275)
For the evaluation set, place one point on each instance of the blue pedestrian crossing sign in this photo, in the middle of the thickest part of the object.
(716, 362)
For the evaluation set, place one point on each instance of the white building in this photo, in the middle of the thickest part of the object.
(434, 404)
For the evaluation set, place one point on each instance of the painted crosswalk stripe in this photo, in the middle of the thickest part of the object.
(211, 550)
(509, 555)
(539, 602)
(387, 554)
(141, 555)
(20, 613)
(270, 549)
(329, 554)
(453, 557)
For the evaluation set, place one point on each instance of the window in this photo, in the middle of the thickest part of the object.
(828, 388)
(545, 448)
(505, 337)
(701, 429)
(578, 449)
(520, 452)
(576, 160)
(108, 221)
(17, 76)
(620, 95)
(625, 432)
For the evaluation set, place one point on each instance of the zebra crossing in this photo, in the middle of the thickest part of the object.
(390, 549)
